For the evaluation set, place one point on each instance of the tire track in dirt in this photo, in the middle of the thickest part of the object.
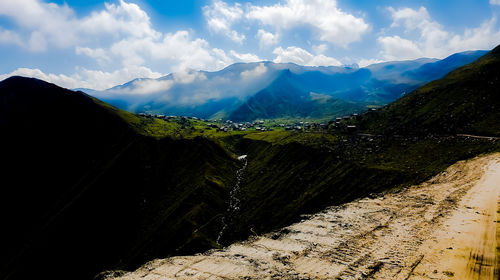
(401, 235)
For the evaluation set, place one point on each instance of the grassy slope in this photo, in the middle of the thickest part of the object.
(465, 101)
(86, 189)
(298, 173)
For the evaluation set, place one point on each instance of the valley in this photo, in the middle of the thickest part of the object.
(102, 189)
(445, 227)
(262, 139)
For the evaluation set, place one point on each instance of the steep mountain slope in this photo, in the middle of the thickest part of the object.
(407, 142)
(285, 97)
(465, 101)
(210, 94)
(83, 191)
(436, 70)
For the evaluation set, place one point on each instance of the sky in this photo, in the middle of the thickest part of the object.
(99, 44)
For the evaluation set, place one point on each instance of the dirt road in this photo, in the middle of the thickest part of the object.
(445, 228)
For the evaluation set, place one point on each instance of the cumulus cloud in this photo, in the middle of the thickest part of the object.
(126, 19)
(177, 48)
(123, 28)
(495, 2)
(329, 22)
(60, 80)
(9, 37)
(365, 62)
(147, 86)
(266, 39)
(100, 80)
(84, 78)
(302, 57)
(49, 24)
(319, 49)
(45, 23)
(245, 57)
(430, 39)
(258, 71)
(187, 76)
(220, 18)
(395, 47)
(98, 54)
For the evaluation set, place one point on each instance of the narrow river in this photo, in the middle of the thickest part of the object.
(234, 201)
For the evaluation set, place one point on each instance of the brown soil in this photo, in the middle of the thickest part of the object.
(445, 228)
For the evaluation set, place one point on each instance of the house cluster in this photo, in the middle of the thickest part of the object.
(242, 126)
(164, 117)
(344, 123)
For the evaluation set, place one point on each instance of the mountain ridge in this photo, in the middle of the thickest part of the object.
(464, 101)
(215, 94)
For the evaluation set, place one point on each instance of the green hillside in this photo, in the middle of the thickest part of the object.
(284, 99)
(466, 101)
(85, 191)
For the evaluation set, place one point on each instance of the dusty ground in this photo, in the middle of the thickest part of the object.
(445, 228)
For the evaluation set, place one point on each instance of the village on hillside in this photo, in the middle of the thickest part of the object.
(344, 123)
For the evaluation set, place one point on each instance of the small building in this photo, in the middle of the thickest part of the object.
(351, 128)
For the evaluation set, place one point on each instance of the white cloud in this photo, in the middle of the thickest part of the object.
(98, 54)
(428, 38)
(125, 29)
(245, 57)
(100, 80)
(179, 49)
(302, 57)
(126, 19)
(37, 42)
(45, 23)
(49, 24)
(258, 71)
(10, 37)
(147, 86)
(397, 48)
(266, 39)
(84, 78)
(220, 18)
(319, 49)
(495, 2)
(486, 36)
(329, 22)
(187, 76)
(366, 62)
(60, 80)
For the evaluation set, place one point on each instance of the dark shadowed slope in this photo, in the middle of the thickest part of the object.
(83, 192)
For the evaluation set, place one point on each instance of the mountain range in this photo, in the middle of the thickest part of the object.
(248, 91)
(89, 187)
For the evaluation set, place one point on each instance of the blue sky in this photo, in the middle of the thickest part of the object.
(99, 44)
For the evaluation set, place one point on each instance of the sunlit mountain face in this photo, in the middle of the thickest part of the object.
(237, 91)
